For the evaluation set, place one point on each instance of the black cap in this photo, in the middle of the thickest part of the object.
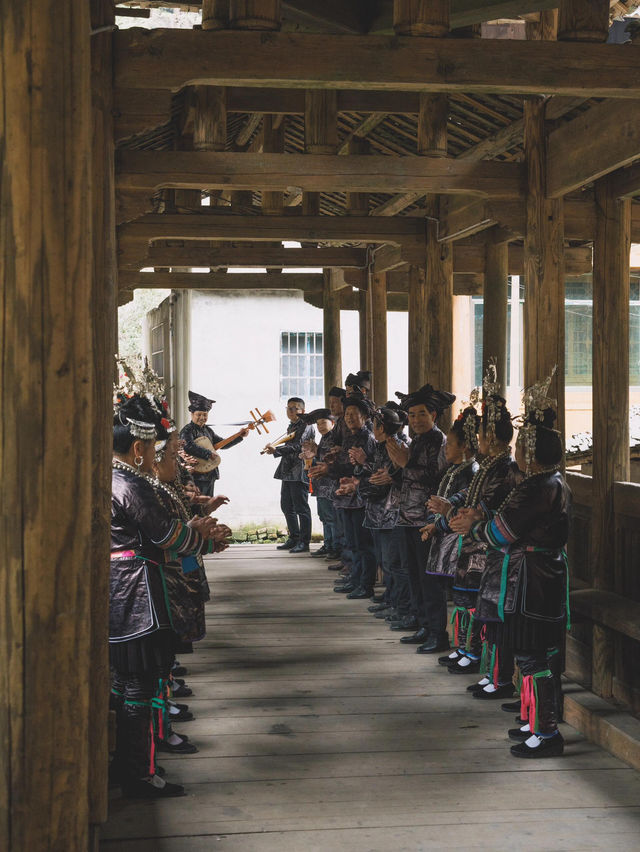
(427, 395)
(316, 414)
(360, 402)
(197, 402)
(361, 379)
(336, 391)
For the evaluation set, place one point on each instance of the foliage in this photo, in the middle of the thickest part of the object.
(131, 323)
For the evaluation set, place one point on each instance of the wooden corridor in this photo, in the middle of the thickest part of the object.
(318, 731)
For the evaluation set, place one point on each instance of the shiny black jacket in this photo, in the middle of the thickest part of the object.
(342, 466)
(418, 481)
(190, 432)
(291, 467)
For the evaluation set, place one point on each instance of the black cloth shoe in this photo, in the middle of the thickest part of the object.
(472, 668)
(379, 598)
(181, 691)
(505, 691)
(408, 622)
(139, 789)
(288, 544)
(379, 607)
(389, 613)
(333, 554)
(416, 638)
(178, 670)
(549, 747)
(321, 551)
(337, 567)
(448, 660)
(182, 716)
(344, 589)
(181, 748)
(434, 644)
(475, 687)
(359, 595)
(300, 547)
(518, 735)
(511, 707)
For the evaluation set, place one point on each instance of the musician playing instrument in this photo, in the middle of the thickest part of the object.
(200, 406)
(294, 487)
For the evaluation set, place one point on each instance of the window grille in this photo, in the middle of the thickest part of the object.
(301, 365)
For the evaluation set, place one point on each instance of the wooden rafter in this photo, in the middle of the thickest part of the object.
(194, 255)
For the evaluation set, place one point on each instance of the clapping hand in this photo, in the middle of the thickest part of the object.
(438, 505)
(398, 453)
(464, 520)
(348, 485)
(381, 477)
(357, 455)
(318, 470)
(427, 531)
(213, 503)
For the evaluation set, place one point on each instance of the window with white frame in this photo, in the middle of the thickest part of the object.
(157, 349)
(301, 364)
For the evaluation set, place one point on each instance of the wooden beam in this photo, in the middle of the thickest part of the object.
(174, 58)
(152, 170)
(361, 130)
(466, 215)
(137, 110)
(611, 388)
(601, 140)
(583, 20)
(220, 281)
(249, 128)
(256, 256)
(626, 182)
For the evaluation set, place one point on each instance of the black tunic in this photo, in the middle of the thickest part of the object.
(190, 432)
(418, 481)
(291, 467)
(443, 554)
(343, 467)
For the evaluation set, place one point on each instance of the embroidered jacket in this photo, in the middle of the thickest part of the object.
(418, 481)
(342, 466)
(381, 502)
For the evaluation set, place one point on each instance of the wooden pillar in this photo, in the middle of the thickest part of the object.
(273, 143)
(583, 20)
(332, 346)
(47, 444)
(421, 17)
(210, 118)
(320, 134)
(364, 328)
(417, 327)
(357, 203)
(432, 125)
(378, 300)
(104, 332)
(610, 400)
(545, 28)
(438, 358)
(255, 14)
(215, 14)
(543, 265)
(496, 299)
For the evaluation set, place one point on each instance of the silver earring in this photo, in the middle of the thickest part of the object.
(138, 461)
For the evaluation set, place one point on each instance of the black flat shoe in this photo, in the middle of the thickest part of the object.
(321, 551)
(511, 707)
(472, 668)
(416, 638)
(181, 748)
(448, 660)
(181, 692)
(178, 670)
(404, 624)
(287, 545)
(550, 747)
(182, 716)
(337, 567)
(505, 691)
(345, 589)
(378, 599)
(389, 613)
(379, 607)
(359, 595)
(475, 687)
(433, 645)
(150, 790)
(300, 547)
(518, 735)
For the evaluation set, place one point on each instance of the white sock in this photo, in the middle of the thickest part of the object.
(533, 741)
(173, 710)
(174, 739)
(525, 729)
(484, 681)
(454, 655)
(489, 688)
(463, 662)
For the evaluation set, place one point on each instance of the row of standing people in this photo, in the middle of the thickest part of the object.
(458, 516)
(161, 528)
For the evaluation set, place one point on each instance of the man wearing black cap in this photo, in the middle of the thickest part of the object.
(200, 406)
(420, 466)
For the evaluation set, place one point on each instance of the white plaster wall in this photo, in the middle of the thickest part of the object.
(233, 356)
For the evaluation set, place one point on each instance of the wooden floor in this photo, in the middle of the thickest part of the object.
(318, 731)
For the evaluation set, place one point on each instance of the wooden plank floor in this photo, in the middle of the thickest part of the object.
(318, 731)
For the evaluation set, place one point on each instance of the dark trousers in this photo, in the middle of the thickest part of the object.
(466, 600)
(294, 502)
(398, 565)
(428, 593)
(345, 553)
(360, 543)
(327, 515)
(131, 698)
(386, 557)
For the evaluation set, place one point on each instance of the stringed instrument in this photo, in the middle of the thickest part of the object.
(288, 436)
(259, 421)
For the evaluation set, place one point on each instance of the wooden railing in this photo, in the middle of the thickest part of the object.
(615, 613)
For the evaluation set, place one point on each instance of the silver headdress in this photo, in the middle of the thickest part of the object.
(536, 401)
(470, 419)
